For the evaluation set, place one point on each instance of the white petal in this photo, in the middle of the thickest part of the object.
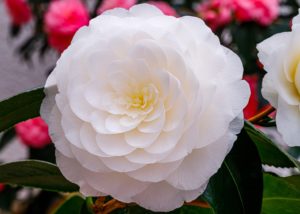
(113, 144)
(139, 139)
(153, 126)
(174, 92)
(296, 21)
(143, 157)
(157, 111)
(288, 123)
(145, 10)
(114, 126)
(166, 140)
(71, 126)
(268, 90)
(267, 49)
(48, 103)
(57, 134)
(99, 94)
(89, 161)
(121, 164)
(119, 12)
(118, 185)
(69, 167)
(88, 140)
(79, 105)
(149, 199)
(150, 52)
(97, 119)
(175, 115)
(87, 191)
(154, 172)
(196, 169)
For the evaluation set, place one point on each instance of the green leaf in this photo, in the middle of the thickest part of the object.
(270, 153)
(73, 205)
(281, 195)
(237, 186)
(20, 107)
(195, 210)
(37, 174)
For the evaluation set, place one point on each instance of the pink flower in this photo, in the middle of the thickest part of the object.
(216, 13)
(19, 11)
(62, 20)
(33, 132)
(110, 4)
(164, 7)
(263, 12)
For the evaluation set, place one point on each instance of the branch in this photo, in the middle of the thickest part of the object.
(102, 207)
(261, 115)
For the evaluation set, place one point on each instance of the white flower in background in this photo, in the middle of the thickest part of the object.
(144, 107)
(280, 55)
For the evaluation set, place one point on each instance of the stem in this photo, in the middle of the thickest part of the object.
(100, 207)
(198, 203)
(261, 115)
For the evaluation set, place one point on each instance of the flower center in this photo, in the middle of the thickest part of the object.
(142, 99)
(294, 73)
(297, 78)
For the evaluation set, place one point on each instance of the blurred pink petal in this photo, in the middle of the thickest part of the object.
(33, 132)
(19, 11)
(216, 13)
(62, 20)
(263, 12)
(110, 4)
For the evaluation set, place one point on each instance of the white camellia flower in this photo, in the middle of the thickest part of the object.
(280, 55)
(144, 107)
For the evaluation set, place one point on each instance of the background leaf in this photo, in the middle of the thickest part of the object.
(270, 153)
(281, 195)
(238, 185)
(34, 173)
(72, 204)
(20, 107)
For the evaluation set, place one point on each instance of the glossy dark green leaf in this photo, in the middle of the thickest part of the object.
(281, 195)
(73, 205)
(20, 107)
(34, 173)
(270, 153)
(237, 187)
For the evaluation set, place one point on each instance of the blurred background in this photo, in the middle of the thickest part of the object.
(16, 74)
(33, 34)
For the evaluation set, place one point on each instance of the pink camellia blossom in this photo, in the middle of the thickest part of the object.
(62, 20)
(164, 7)
(215, 13)
(263, 12)
(19, 11)
(111, 4)
(33, 132)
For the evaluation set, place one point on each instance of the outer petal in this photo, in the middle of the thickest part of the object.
(200, 165)
(288, 122)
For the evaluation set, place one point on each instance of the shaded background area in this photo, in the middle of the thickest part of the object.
(17, 75)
